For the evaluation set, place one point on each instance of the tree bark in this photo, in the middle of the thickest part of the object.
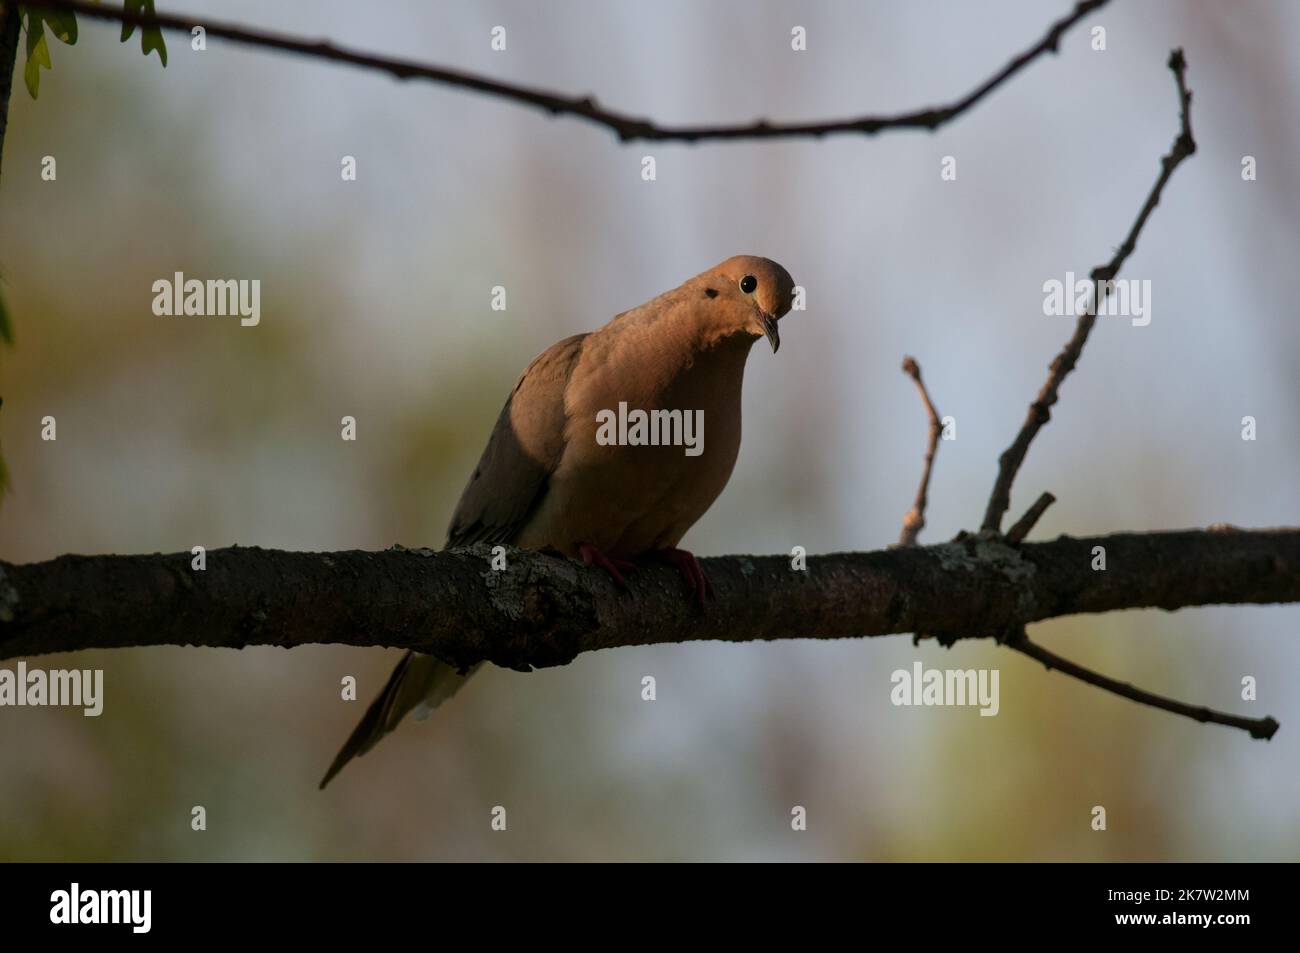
(543, 610)
(9, 34)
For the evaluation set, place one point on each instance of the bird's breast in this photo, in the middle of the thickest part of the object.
(646, 455)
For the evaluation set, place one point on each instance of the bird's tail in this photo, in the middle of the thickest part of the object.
(419, 681)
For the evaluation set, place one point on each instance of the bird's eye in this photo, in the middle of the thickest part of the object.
(748, 284)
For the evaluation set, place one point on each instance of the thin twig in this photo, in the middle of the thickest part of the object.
(1040, 410)
(914, 521)
(627, 128)
(1032, 515)
(1263, 728)
(1039, 413)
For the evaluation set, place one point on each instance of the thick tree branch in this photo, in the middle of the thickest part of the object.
(544, 610)
(1040, 410)
(627, 128)
(10, 23)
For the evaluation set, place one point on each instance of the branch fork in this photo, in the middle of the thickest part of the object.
(1015, 636)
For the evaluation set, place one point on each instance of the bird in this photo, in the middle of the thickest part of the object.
(551, 479)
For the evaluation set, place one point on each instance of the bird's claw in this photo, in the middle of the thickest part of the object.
(689, 567)
(591, 556)
(691, 570)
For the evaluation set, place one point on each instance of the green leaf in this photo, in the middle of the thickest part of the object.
(151, 37)
(130, 6)
(63, 26)
(38, 55)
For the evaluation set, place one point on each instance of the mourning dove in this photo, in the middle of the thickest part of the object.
(602, 453)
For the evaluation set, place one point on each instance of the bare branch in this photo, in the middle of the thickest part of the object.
(1263, 728)
(1040, 410)
(627, 128)
(914, 520)
(544, 610)
(1023, 525)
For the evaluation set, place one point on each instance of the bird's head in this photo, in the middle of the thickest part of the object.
(755, 292)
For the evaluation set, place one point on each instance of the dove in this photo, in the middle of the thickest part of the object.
(571, 465)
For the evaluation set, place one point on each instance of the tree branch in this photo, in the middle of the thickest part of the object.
(1040, 410)
(9, 34)
(627, 128)
(914, 519)
(1032, 515)
(1263, 728)
(544, 610)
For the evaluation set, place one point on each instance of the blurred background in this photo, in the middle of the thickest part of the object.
(175, 432)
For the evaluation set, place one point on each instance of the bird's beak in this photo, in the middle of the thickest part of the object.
(769, 329)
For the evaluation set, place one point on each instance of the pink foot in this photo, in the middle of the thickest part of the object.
(591, 556)
(691, 571)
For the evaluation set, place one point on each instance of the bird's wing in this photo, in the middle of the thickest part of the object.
(525, 447)
(508, 483)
